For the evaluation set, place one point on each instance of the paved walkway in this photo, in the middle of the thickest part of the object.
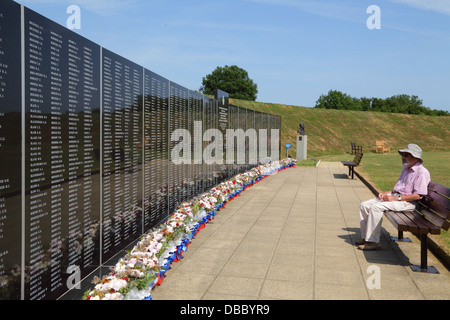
(292, 236)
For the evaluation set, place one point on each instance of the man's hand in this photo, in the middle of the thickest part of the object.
(388, 197)
(384, 195)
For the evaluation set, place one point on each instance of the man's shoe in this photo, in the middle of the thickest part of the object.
(360, 242)
(368, 246)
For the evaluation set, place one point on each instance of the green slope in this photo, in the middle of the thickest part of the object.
(331, 131)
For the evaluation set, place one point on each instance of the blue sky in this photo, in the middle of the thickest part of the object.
(295, 50)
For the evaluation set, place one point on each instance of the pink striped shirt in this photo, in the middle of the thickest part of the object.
(413, 180)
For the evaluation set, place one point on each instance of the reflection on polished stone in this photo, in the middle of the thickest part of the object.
(96, 172)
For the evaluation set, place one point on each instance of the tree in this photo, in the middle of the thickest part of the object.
(366, 103)
(338, 100)
(231, 79)
(401, 103)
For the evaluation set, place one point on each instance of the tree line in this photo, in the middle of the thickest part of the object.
(231, 79)
(401, 103)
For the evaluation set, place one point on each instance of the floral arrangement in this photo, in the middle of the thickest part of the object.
(144, 266)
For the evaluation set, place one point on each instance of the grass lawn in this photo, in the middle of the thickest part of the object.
(306, 163)
(383, 170)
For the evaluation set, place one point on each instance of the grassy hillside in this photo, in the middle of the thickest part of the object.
(331, 131)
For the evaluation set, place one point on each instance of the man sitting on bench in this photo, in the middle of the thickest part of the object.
(410, 188)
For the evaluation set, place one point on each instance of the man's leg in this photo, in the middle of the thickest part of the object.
(364, 210)
(373, 213)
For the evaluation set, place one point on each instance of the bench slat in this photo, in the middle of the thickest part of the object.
(440, 198)
(434, 205)
(412, 222)
(423, 225)
(394, 221)
(400, 222)
(426, 226)
(433, 216)
(439, 189)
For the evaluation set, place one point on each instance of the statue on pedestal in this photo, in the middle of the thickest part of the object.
(301, 130)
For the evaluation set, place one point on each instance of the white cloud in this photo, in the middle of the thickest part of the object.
(439, 6)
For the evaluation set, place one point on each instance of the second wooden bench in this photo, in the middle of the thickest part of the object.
(352, 164)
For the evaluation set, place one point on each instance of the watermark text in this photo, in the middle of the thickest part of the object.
(374, 20)
(74, 20)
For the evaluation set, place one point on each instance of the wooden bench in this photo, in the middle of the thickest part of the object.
(381, 146)
(352, 164)
(430, 216)
(355, 148)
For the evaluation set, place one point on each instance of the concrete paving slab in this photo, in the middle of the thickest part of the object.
(292, 237)
(287, 290)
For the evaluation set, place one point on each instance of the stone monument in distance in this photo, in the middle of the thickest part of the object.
(302, 143)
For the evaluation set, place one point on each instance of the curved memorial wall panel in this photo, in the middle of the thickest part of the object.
(10, 149)
(61, 170)
(96, 151)
(156, 160)
(121, 151)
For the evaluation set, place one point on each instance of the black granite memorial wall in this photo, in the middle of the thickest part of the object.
(61, 128)
(10, 150)
(87, 153)
(121, 152)
(156, 159)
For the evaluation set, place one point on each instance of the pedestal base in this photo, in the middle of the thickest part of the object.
(302, 147)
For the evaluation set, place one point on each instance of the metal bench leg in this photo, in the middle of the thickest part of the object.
(423, 257)
(400, 238)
